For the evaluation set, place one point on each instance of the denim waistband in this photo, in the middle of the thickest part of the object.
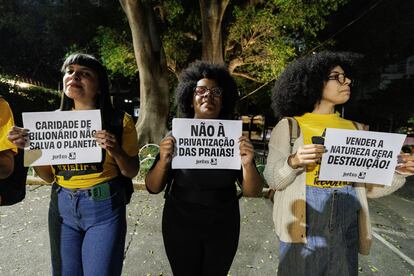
(114, 186)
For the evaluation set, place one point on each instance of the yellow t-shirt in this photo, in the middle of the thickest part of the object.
(314, 125)
(75, 176)
(6, 122)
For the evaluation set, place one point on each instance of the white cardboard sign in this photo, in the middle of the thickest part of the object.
(62, 137)
(360, 156)
(206, 144)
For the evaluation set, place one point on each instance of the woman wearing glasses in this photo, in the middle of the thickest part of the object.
(201, 219)
(321, 225)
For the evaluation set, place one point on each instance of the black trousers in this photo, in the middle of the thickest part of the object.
(199, 240)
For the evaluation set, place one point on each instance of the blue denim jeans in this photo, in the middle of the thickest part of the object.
(332, 235)
(87, 236)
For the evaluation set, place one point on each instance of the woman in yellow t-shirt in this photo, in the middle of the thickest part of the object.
(87, 220)
(321, 225)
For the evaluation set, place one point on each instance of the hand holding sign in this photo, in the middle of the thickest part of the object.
(166, 151)
(361, 156)
(246, 151)
(18, 136)
(63, 137)
(208, 144)
(107, 141)
(405, 164)
(306, 155)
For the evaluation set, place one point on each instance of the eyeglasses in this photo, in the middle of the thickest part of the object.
(340, 77)
(202, 91)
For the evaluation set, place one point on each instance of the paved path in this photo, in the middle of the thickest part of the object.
(25, 248)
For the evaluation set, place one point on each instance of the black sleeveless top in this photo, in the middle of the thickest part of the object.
(207, 187)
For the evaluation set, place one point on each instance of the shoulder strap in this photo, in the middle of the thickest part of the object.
(117, 124)
(294, 130)
(117, 127)
(355, 125)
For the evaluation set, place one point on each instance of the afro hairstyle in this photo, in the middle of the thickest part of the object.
(204, 70)
(300, 86)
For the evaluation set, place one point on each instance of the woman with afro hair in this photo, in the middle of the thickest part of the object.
(321, 225)
(201, 218)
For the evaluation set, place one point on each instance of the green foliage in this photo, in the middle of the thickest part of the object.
(148, 151)
(260, 168)
(264, 37)
(181, 33)
(409, 128)
(117, 52)
(255, 39)
(174, 10)
(306, 16)
(144, 167)
(37, 34)
(147, 156)
(260, 37)
(175, 49)
(29, 99)
(406, 130)
(179, 24)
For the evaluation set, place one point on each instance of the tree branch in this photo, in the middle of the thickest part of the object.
(234, 63)
(244, 75)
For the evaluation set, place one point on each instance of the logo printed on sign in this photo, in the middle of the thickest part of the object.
(360, 156)
(72, 155)
(205, 144)
(362, 175)
(63, 137)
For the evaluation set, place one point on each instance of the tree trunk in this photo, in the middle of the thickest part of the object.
(212, 12)
(152, 67)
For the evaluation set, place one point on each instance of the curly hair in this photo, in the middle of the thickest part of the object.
(204, 70)
(300, 86)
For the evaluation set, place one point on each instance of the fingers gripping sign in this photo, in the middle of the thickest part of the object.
(306, 155)
(246, 150)
(18, 136)
(107, 141)
(405, 164)
(167, 150)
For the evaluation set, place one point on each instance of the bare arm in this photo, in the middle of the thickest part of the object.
(6, 163)
(156, 178)
(128, 165)
(252, 181)
(45, 173)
